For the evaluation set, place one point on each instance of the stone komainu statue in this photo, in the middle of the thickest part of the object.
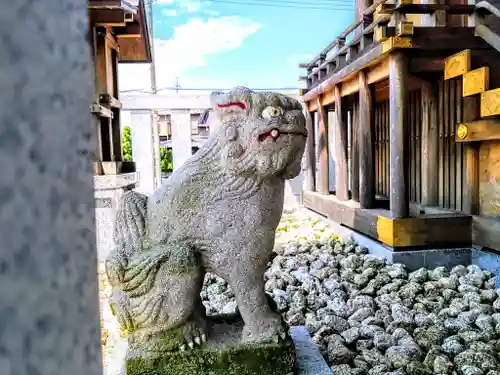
(217, 213)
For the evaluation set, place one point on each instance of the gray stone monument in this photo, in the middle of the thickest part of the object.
(49, 310)
(217, 213)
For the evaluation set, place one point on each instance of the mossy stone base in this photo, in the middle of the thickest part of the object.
(222, 355)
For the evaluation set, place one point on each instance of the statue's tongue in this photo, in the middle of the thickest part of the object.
(274, 134)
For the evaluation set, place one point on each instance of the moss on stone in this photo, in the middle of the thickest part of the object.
(268, 359)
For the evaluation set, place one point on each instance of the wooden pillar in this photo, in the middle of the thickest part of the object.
(323, 183)
(310, 183)
(341, 174)
(471, 188)
(355, 151)
(366, 145)
(115, 123)
(398, 136)
(430, 140)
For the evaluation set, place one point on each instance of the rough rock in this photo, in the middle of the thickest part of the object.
(369, 317)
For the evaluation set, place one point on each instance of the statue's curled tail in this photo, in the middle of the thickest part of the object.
(129, 233)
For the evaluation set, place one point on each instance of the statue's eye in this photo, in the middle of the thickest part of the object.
(270, 112)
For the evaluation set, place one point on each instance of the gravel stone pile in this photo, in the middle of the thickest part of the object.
(369, 317)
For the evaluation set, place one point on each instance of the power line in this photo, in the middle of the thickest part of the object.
(305, 3)
(207, 89)
(292, 5)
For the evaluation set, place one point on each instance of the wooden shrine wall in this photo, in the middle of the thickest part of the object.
(451, 154)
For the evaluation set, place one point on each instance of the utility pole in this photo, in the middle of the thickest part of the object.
(154, 88)
(154, 91)
(177, 85)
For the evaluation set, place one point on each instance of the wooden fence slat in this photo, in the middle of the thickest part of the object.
(446, 145)
(323, 183)
(419, 145)
(459, 149)
(441, 143)
(355, 152)
(453, 178)
(340, 131)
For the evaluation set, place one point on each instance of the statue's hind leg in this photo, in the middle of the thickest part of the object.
(167, 316)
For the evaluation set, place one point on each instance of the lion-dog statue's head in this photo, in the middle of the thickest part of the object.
(263, 133)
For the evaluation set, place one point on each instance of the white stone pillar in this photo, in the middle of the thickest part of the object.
(142, 150)
(181, 137)
(49, 303)
(156, 152)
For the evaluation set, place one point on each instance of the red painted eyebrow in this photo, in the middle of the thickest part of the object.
(237, 104)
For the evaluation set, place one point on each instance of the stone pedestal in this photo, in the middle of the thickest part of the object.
(107, 192)
(223, 355)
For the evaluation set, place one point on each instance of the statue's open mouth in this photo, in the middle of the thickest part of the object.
(274, 134)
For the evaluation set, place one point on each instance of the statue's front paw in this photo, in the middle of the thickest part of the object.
(267, 330)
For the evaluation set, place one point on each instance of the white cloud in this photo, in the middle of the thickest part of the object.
(169, 12)
(211, 12)
(189, 48)
(190, 6)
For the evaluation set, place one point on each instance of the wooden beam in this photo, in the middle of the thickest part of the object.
(426, 65)
(395, 42)
(448, 229)
(476, 81)
(457, 65)
(369, 58)
(446, 38)
(131, 30)
(341, 174)
(133, 50)
(328, 98)
(480, 130)
(323, 185)
(104, 64)
(310, 183)
(355, 150)
(378, 72)
(107, 17)
(471, 188)
(490, 103)
(430, 139)
(415, 8)
(398, 134)
(101, 111)
(109, 101)
(366, 145)
(349, 87)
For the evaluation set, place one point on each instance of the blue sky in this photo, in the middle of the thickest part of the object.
(223, 43)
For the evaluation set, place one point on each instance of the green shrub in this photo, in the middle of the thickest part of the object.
(127, 144)
(166, 159)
